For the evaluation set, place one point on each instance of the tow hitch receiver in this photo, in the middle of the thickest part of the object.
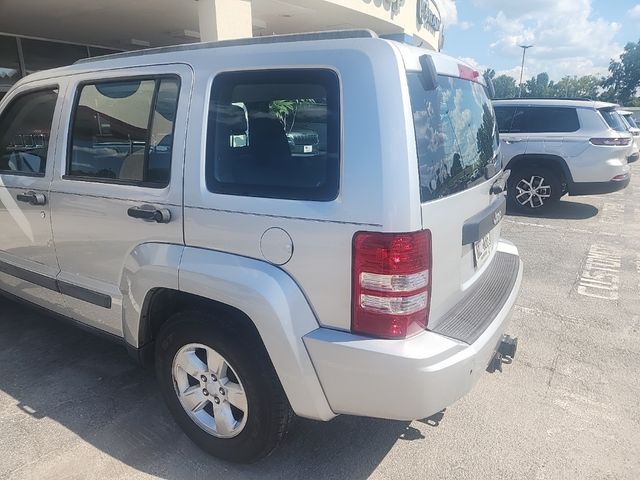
(506, 350)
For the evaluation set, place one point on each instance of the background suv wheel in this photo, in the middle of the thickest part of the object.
(533, 189)
(221, 387)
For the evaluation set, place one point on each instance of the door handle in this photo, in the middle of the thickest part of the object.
(161, 215)
(517, 140)
(32, 198)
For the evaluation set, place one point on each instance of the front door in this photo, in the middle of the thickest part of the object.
(120, 185)
(28, 264)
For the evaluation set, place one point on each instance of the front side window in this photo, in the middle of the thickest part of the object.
(123, 131)
(25, 126)
(274, 134)
(456, 135)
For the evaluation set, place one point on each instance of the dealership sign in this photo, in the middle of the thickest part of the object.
(428, 16)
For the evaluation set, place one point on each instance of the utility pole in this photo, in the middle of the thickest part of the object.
(524, 51)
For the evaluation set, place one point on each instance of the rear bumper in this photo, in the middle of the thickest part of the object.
(597, 188)
(407, 379)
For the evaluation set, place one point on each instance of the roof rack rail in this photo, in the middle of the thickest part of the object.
(580, 99)
(295, 37)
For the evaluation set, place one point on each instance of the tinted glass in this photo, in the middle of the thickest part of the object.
(456, 135)
(630, 120)
(545, 120)
(504, 117)
(274, 134)
(9, 63)
(25, 126)
(41, 55)
(613, 120)
(118, 135)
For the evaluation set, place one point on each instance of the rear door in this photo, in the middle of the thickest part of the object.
(457, 147)
(28, 122)
(120, 183)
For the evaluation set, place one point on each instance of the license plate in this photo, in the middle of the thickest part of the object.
(482, 249)
(308, 148)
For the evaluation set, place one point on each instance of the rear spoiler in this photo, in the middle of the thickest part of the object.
(429, 75)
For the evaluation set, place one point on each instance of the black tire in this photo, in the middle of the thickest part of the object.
(269, 413)
(547, 193)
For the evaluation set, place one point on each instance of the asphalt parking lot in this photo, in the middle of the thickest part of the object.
(73, 406)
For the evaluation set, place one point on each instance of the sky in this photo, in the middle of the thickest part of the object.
(570, 37)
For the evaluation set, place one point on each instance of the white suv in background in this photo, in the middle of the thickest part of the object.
(628, 117)
(555, 147)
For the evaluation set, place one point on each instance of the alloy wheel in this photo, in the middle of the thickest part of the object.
(209, 390)
(532, 192)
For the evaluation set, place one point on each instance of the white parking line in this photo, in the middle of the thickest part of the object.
(564, 229)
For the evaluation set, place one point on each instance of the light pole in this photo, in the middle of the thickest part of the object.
(524, 50)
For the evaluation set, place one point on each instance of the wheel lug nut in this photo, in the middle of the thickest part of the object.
(203, 378)
(216, 400)
(221, 390)
(205, 392)
(213, 377)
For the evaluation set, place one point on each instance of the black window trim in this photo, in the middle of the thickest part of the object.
(27, 91)
(337, 87)
(522, 107)
(76, 100)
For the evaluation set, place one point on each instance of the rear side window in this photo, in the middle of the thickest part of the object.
(613, 119)
(456, 135)
(274, 134)
(122, 131)
(545, 120)
(25, 126)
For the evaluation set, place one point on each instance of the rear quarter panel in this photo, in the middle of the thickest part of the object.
(378, 185)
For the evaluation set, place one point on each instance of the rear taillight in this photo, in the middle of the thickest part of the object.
(611, 142)
(391, 283)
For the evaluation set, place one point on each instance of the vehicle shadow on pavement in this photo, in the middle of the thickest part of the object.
(74, 405)
(563, 210)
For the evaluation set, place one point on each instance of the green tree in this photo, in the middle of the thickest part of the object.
(505, 86)
(537, 86)
(624, 75)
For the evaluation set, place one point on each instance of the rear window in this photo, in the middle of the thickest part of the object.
(537, 119)
(456, 135)
(631, 121)
(613, 119)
